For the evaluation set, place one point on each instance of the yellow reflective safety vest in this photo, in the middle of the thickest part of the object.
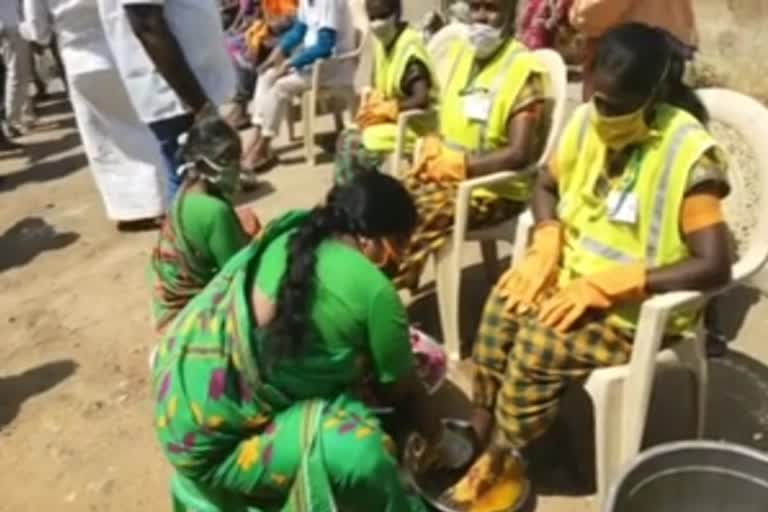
(388, 70)
(638, 219)
(476, 104)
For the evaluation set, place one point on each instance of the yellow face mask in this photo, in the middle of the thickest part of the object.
(618, 132)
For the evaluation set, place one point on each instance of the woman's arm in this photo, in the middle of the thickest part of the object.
(394, 365)
(326, 42)
(545, 195)
(415, 86)
(517, 154)
(226, 237)
(292, 38)
(523, 146)
(709, 263)
(36, 27)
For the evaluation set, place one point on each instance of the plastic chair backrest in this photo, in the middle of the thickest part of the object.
(558, 79)
(359, 15)
(749, 119)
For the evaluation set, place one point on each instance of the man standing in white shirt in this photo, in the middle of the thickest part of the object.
(173, 61)
(15, 54)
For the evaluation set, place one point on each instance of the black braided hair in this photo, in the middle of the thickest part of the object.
(372, 205)
(637, 56)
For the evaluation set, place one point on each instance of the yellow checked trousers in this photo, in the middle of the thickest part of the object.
(523, 367)
(436, 206)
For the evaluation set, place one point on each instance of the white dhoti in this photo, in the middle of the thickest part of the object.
(123, 155)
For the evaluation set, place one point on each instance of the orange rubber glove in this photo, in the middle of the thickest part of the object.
(375, 109)
(523, 284)
(598, 291)
(436, 162)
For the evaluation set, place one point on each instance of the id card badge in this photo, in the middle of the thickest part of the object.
(622, 207)
(477, 107)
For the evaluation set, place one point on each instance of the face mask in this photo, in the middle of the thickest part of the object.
(387, 259)
(485, 38)
(385, 30)
(226, 179)
(618, 132)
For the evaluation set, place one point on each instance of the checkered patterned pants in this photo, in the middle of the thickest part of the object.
(436, 205)
(522, 367)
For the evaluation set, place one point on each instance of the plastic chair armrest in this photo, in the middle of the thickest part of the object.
(463, 197)
(402, 126)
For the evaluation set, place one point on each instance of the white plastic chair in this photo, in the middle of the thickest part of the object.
(347, 94)
(437, 48)
(448, 259)
(621, 394)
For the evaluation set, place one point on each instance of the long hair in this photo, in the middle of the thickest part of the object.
(642, 61)
(372, 205)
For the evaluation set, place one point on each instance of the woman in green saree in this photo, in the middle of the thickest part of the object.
(203, 229)
(255, 380)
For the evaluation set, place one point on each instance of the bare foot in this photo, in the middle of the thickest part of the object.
(482, 423)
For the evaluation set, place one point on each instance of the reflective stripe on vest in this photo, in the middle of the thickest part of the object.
(494, 90)
(657, 216)
(595, 242)
(654, 237)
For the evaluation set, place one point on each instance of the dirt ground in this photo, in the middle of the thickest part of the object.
(75, 421)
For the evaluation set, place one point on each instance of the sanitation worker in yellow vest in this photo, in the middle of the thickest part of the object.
(402, 80)
(492, 117)
(630, 206)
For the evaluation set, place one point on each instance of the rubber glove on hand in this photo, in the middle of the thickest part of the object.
(375, 109)
(523, 284)
(598, 291)
(435, 162)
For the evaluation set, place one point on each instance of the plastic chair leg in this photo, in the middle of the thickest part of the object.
(693, 357)
(448, 281)
(605, 389)
(338, 119)
(490, 251)
(308, 117)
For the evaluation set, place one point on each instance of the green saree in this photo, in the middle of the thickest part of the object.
(241, 443)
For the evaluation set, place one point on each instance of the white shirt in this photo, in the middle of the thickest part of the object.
(332, 14)
(9, 13)
(79, 33)
(196, 24)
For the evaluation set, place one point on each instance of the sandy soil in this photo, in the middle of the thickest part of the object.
(74, 409)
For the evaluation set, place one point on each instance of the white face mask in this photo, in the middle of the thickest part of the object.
(385, 30)
(485, 38)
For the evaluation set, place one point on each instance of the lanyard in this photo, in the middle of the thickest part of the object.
(629, 180)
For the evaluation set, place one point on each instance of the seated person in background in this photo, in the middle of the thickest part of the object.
(323, 28)
(202, 230)
(250, 41)
(402, 80)
(493, 117)
(593, 18)
(630, 206)
(253, 380)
